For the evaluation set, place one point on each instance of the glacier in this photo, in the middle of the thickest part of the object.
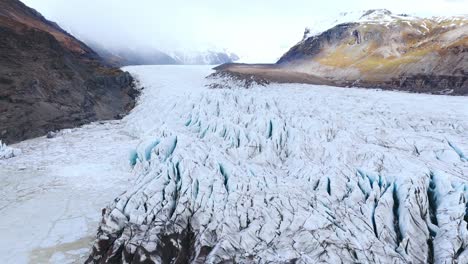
(276, 173)
(290, 174)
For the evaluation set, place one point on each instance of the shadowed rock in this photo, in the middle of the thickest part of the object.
(49, 80)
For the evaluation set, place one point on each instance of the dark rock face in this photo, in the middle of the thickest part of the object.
(50, 81)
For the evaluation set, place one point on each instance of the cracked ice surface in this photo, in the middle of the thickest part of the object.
(289, 173)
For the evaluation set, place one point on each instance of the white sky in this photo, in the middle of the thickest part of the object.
(258, 29)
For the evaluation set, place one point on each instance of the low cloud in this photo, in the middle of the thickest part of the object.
(258, 29)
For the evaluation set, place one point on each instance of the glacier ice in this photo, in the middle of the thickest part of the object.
(289, 174)
(8, 152)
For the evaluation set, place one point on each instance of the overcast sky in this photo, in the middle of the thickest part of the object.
(261, 29)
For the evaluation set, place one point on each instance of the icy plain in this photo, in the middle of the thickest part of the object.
(276, 174)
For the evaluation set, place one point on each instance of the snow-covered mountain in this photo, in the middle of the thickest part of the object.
(153, 56)
(376, 17)
(377, 48)
(208, 57)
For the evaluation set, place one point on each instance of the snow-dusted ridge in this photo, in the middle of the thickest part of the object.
(379, 17)
(289, 173)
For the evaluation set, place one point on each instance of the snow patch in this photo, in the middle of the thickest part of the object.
(8, 152)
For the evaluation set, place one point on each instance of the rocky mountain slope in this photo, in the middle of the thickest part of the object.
(383, 50)
(50, 80)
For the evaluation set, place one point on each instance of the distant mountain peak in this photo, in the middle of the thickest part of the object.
(154, 56)
(372, 13)
(208, 57)
(386, 49)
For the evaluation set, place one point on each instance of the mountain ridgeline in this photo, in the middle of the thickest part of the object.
(49, 80)
(378, 50)
(119, 57)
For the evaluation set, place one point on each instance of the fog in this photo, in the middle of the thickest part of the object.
(255, 29)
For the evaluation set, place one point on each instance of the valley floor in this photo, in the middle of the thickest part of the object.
(277, 173)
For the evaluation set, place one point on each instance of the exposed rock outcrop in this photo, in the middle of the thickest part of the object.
(49, 80)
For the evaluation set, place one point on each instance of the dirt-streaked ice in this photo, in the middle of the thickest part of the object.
(288, 173)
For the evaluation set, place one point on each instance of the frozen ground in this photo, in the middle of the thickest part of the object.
(280, 173)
